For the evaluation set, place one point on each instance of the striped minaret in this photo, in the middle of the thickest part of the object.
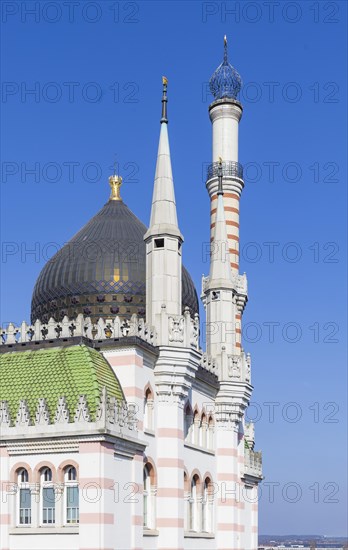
(225, 112)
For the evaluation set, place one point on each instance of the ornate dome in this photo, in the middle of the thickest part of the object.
(226, 81)
(100, 272)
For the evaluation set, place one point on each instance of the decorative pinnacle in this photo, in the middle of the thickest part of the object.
(164, 100)
(220, 190)
(115, 183)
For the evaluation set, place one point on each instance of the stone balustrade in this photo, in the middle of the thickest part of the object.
(110, 414)
(209, 363)
(253, 463)
(81, 326)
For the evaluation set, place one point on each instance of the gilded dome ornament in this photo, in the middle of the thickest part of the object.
(115, 183)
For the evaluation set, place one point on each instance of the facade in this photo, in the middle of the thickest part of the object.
(118, 432)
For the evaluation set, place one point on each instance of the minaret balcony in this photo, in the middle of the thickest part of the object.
(253, 465)
(230, 169)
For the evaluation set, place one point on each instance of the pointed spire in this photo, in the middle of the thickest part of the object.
(220, 268)
(163, 210)
(225, 50)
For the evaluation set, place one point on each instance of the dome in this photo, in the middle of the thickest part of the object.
(54, 373)
(100, 272)
(226, 81)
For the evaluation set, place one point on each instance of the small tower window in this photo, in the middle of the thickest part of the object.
(159, 243)
(148, 409)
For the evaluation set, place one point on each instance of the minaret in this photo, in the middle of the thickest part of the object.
(219, 290)
(224, 297)
(163, 238)
(225, 112)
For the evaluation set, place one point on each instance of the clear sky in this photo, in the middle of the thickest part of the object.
(96, 68)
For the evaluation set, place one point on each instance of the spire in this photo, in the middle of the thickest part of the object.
(115, 183)
(220, 269)
(225, 50)
(164, 100)
(163, 210)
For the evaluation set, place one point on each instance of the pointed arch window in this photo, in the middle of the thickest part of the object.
(207, 506)
(149, 492)
(210, 433)
(196, 428)
(187, 497)
(194, 504)
(203, 431)
(24, 498)
(148, 409)
(188, 423)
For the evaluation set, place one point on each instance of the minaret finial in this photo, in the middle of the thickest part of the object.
(115, 183)
(164, 100)
(225, 49)
(220, 190)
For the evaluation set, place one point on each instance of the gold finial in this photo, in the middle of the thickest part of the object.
(220, 160)
(164, 81)
(115, 183)
(225, 40)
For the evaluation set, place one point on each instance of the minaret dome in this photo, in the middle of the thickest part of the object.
(226, 81)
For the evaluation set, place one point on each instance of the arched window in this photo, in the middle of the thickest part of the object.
(71, 495)
(70, 473)
(149, 491)
(194, 504)
(196, 428)
(207, 506)
(148, 409)
(203, 431)
(46, 474)
(210, 433)
(187, 496)
(48, 500)
(188, 423)
(24, 498)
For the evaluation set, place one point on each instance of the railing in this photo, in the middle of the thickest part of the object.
(230, 169)
(253, 463)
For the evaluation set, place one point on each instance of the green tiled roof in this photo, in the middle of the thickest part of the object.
(56, 372)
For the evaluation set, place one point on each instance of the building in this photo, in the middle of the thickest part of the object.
(117, 431)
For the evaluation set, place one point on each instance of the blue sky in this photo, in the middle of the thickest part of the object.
(97, 74)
